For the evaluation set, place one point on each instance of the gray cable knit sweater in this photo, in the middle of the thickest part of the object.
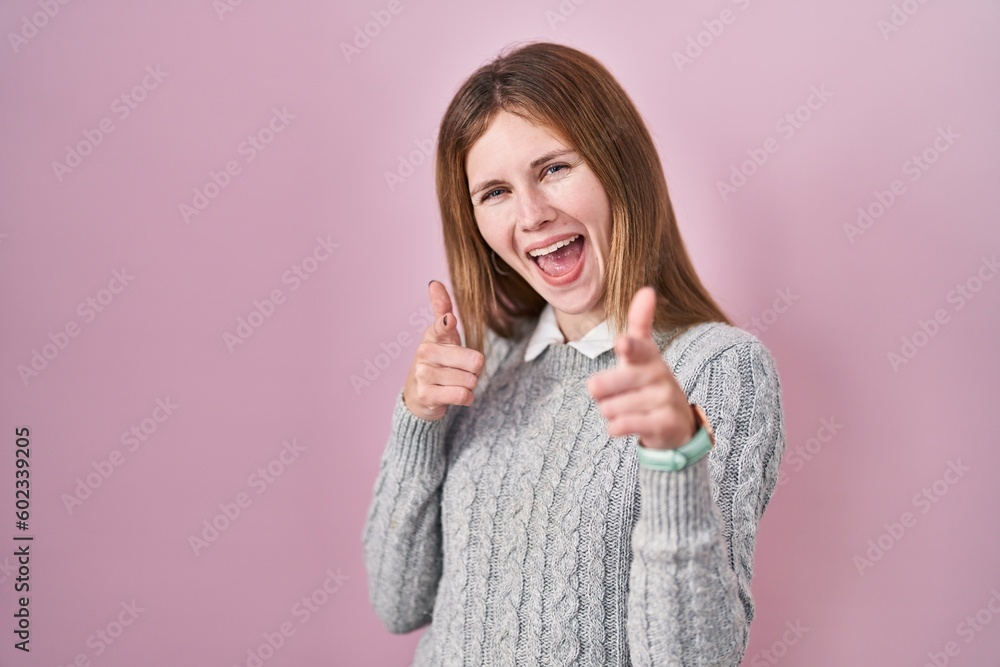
(525, 535)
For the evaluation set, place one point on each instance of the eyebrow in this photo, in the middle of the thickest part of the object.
(534, 165)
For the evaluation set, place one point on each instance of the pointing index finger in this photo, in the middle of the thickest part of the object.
(641, 313)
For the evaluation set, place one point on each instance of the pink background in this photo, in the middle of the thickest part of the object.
(848, 303)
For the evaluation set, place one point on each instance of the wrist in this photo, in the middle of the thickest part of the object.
(418, 413)
(683, 456)
(694, 419)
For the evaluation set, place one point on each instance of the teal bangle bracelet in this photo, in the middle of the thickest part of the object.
(675, 459)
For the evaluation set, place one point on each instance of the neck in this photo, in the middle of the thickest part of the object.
(575, 327)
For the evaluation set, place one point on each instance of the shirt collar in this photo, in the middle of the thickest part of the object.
(547, 331)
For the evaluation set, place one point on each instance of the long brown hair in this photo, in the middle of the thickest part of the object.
(574, 95)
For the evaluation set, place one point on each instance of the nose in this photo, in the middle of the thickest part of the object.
(533, 208)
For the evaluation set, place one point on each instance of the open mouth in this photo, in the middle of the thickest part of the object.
(560, 258)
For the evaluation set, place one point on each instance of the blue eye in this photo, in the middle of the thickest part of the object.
(548, 170)
(489, 194)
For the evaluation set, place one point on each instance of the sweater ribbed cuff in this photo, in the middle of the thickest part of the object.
(416, 445)
(678, 505)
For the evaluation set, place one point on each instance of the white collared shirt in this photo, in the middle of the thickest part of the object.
(596, 341)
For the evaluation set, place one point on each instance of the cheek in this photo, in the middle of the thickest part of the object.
(484, 228)
(497, 235)
(589, 203)
(601, 217)
(598, 220)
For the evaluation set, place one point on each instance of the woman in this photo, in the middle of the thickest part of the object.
(579, 481)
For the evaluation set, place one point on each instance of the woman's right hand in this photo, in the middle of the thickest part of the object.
(443, 372)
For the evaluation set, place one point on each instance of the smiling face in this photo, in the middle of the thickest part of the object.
(545, 213)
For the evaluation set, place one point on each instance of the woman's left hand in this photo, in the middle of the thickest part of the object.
(640, 395)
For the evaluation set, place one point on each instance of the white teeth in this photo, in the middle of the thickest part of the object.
(552, 248)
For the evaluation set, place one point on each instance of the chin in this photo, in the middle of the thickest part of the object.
(571, 304)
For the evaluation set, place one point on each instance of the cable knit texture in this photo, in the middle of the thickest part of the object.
(523, 534)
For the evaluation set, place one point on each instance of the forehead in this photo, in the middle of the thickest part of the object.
(511, 139)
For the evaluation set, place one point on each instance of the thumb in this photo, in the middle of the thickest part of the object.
(445, 326)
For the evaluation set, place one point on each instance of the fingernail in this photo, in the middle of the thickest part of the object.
(446, 320)
(429, 282)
